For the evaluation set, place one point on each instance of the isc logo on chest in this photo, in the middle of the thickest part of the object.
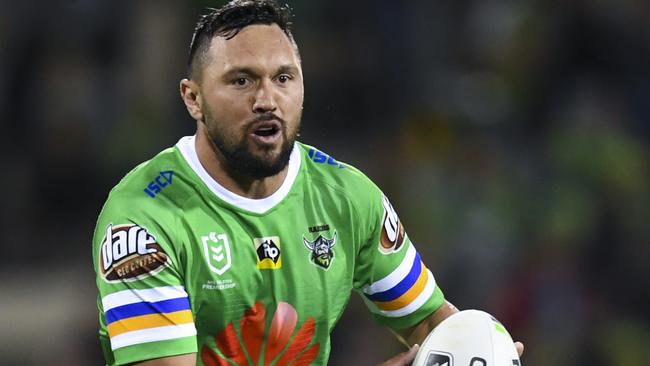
(129, 252)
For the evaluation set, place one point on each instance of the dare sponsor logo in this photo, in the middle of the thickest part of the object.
(392, 231)
(129, 252)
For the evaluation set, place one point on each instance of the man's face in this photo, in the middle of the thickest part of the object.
(252, 92)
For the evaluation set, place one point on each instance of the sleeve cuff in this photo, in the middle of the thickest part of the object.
(148, 351)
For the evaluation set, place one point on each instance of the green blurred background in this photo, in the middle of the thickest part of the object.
(511, 137)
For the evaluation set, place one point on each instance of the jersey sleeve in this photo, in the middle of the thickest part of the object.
(390, 275)
(144, 309)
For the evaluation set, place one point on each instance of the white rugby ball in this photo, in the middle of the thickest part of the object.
(468, 338)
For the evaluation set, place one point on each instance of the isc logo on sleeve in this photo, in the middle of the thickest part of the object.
(268, 252)
(129, 252)
(161, 181)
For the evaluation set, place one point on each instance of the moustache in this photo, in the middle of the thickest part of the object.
(265, 118)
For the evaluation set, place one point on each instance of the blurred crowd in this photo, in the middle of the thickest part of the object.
(511, 137)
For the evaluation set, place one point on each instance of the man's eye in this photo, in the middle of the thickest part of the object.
(284, 78)
(241, 82)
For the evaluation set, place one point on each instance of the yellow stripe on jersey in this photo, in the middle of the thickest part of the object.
(409, 295)
(149, 321)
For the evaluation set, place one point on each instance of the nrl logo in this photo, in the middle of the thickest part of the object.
(216, 249)
(321, 250)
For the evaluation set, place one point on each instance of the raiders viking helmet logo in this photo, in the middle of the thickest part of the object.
(321, 250)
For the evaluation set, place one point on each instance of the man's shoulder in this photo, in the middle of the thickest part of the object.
(153, 181)
(324, 169)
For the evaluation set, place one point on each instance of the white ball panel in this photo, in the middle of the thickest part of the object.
(468, 338)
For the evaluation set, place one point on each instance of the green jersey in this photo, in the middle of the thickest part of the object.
(184, 265)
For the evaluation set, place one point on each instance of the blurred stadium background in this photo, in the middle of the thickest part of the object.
(511, 137)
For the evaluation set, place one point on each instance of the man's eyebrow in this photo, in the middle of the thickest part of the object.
(288, 69)
(239, 71)
(284, 69)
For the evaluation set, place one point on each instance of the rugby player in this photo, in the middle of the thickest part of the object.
(240, 245)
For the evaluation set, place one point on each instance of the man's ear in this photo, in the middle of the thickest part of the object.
(191, 95)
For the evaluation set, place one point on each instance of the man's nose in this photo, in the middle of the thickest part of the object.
(264, 98)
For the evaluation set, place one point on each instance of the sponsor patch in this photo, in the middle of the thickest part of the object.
(437, 358)
(268, 252)
(392, 231)
(129, 252)
(321, 250)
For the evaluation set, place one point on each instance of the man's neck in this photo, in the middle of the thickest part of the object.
(213, 162)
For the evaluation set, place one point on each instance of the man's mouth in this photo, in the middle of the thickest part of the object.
(267, 132)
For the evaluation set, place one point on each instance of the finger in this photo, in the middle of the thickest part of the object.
(520, 348)
(410, 355)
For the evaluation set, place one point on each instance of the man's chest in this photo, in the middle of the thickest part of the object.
(232, 261)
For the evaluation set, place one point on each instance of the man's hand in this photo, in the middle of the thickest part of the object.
(417, 334)
(520, 348)
(403, 359)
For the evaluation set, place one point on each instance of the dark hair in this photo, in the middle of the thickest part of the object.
(228, 20)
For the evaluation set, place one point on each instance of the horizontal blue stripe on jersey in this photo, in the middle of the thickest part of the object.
(145, 308)
(403, 285)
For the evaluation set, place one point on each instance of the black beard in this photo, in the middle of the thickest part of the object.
(240, 161)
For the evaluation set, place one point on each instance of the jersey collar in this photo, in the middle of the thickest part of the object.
(187, 147)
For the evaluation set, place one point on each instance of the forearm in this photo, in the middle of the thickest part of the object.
(418, 333)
